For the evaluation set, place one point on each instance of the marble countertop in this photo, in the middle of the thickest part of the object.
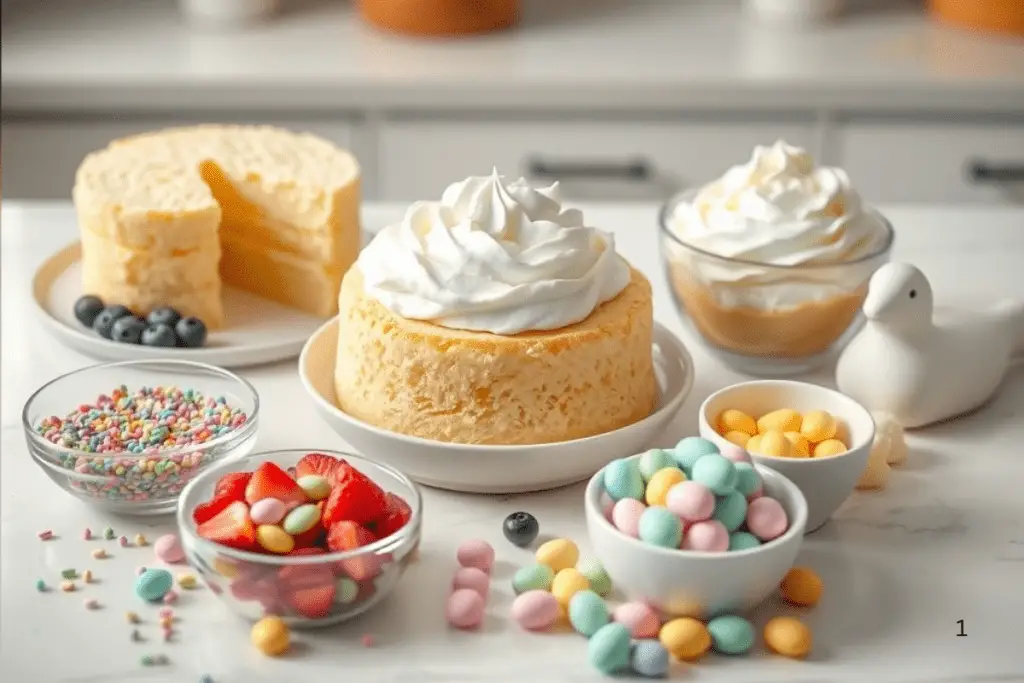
(943, 543)
(99, 56)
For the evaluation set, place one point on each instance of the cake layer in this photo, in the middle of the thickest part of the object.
(420, 379)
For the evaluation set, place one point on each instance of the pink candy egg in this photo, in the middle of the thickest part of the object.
(535, 610)
(626, 516)
(710, 537)
(690, 501)
(476, 553)
(641, 620)
(735, 453)
(168, 549)
(268, 511)
(607, 504)
(766, 518)
(465, 609)
(473, 579)
(756, 494)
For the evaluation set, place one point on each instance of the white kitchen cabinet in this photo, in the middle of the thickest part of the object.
(593, 160)
(912, 161)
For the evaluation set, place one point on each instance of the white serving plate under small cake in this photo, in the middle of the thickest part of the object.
(496, 469)
(257, 330)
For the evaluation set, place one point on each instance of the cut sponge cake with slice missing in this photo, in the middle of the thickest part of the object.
(166, 217)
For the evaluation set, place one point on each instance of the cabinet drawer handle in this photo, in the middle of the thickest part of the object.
(637, 170)
(984, 172)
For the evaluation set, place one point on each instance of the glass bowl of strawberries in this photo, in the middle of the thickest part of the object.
(315, 538)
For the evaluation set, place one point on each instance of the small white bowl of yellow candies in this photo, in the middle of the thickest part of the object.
(816, 437)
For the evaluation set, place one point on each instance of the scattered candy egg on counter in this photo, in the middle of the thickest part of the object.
(168, 549)
(533, 577)
(465, 609)
(567, 583)
(783, 433)
(788, 637)
(609, 649)
(639, 618)
(596, 576)
(587, 612)
(473, 579)
(535, 610)
(801, 586)
(270, 636)
(153, 584)
(685, 638)
(731, 635)
(559, 554)
(653, 461)
(520, 529)
(659, 485)
(649, 658)
(476, 553)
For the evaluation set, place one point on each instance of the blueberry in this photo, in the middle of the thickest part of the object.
(520, 528)
(191, 332)
(165, 315)
(104, 322)
(87, 308)
(128, 330)
(159, 334)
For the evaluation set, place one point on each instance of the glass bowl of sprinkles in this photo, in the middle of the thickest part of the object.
(129, 436)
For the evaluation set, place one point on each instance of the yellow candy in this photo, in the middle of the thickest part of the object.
(660, 483)
(773, 443)
(559, 554)
(187, 581)
(736, 421)
(818, 426)
(274, 539)
(270, 636)
(829, 447)
(568, 583)
(784, 420)
(754, 444)
(788, 636)
(225, 568)
(801, 586)
(685, 638)
(738, 438)
(801, 447)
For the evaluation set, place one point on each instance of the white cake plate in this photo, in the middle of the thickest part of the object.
(256, 331)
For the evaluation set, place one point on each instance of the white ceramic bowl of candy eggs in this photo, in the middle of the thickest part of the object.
(826, 470)
(684, 531)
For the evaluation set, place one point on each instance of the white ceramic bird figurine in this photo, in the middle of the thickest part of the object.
(919, 368)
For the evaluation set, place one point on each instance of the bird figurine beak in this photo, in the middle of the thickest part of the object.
(876, 304)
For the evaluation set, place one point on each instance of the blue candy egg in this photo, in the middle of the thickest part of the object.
(747, 478)
(743, 540)
(716, 473)
(649, 658)
(153, 584)
(690, 450)
(731, 510)
(654, 460)
(588, 613)
(622, 479)
(608, 649)
(660, 527)
(731, 635)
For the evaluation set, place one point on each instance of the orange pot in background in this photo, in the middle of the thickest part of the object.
(440, 17)
(998, 16)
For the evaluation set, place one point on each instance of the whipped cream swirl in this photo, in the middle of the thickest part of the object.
(493, 256)
(780, 208)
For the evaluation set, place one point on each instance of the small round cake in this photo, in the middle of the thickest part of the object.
(495, 317)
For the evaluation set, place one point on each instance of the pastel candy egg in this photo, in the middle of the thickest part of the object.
(626, 516)
(783, 420)
(829, 447)
(736, 454)
(559, 554)
(476, 553)
(747, 478)
(743, 540)
(640, 619)
(649, 658)
(274, 539)
(346, 591)
(268, 511)
(608, 650)
(587, 613)
(315, 486)
(709, 537)
(788, 637)
(654, 460)
(736, 420)
(739, 439)
(690, 450)
(607, 504)
(568, 583)
(716, 473)
(658, 526)
(473, 579)
(168, 549)
(535, 610)
(773, 443)
(766, 518)
(270, 636)
(818, 426)
(301, 519)
(731, 510)
(533, 577)
(660, 483)
(799, 445)
(731, 635)
(596, 575)
(801, 586)
(622, 479)
(685, 638)
(753, 444)
(465, 609)
(153, 584)
(690, 501)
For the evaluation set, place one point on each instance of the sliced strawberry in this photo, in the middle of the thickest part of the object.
(346, 535)
(270, 481)
(204, 512)
(318, 463)
(308, 589)
(232, 486)
(396, 515)
(366, 589)
(354, 498)
(231, 527)
(308, 551)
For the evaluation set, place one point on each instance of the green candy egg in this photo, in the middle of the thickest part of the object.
(587, 613)
(731, 510)
(690, 450)
(534, 577)
(660, 527)
(608, 649)
(301, 519)
(716, 473)
(315, 486)
(599, 580)
(622, 479)
(654, 460)
(747, 478)
(743, 540)
(731, 635)
(153, 584)
(346, 592)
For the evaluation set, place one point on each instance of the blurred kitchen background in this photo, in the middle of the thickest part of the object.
(626, 99)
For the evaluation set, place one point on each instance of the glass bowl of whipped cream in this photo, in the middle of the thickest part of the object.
(770, 263)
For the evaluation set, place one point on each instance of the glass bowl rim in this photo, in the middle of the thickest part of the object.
(185, 524)
(250, 422)
(668, 207)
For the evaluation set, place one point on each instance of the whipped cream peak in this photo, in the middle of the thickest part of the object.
(493, 256)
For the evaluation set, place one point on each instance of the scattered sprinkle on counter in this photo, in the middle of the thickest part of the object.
(69, 574)
(45, 535)
(108, 533)
(206, 679)
(130, 438)
(40, 585)
(368, 640)
(154, 660)
(123, 541)
(99, 554)
(86, 534)
(92, 603)
(67, 586)
(87, 576)
(136, 636)
(140, 540)
(131, 617)
(170, 598)
(140, 570)
(187, 581)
